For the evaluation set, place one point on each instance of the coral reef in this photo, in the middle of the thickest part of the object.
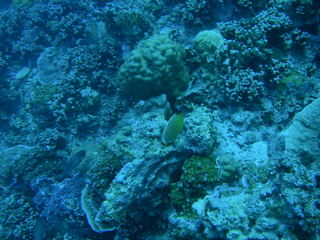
(158, 119)
(146, 164)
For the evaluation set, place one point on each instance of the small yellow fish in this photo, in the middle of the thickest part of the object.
(173, 129)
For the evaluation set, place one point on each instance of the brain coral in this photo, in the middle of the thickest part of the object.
(154, 67)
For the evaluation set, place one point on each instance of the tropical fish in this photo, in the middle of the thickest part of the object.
(172, 129)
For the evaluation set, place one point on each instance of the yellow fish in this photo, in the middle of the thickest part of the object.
(173, 129)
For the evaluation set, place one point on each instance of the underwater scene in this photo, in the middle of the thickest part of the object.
(159, 120)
